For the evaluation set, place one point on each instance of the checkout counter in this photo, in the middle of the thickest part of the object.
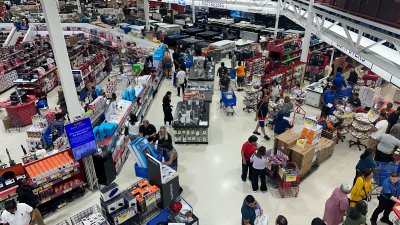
(191, 122)
(20, 108)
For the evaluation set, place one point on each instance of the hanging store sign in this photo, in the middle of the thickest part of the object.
(352, 54)
(220, 4)
(81, 138)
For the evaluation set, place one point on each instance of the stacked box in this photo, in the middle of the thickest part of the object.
(284, 141)
(313, 135)
(303, 157)
(326, 148)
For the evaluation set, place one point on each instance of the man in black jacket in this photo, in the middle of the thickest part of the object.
(25, 195)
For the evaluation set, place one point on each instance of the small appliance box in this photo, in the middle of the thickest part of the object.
(122, 216)
(285, 141)
(109, 192)
(113, 205)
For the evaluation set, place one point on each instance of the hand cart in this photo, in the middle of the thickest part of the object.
(381, 173)
(289, 180)
(228, 101)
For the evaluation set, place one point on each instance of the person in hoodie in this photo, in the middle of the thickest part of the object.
(281, 124)
(336, 205)
(339, 82)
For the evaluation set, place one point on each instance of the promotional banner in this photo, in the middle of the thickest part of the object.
(81, 138)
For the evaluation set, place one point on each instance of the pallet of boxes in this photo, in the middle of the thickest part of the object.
(307, 149)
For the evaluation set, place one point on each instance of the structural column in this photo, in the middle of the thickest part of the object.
(278, 10)
(193, 12)
(307, 37)
(146, 13)
(61, 57)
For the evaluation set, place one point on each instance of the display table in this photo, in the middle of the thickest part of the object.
(191, 123)
(199, 73)
(200, 86)
(23, 111)
(313, 94)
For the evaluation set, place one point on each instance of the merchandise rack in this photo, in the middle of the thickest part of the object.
(77, 218)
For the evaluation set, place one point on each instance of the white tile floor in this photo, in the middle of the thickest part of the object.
(210, 174)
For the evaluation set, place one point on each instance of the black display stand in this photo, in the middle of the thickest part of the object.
(170, 189)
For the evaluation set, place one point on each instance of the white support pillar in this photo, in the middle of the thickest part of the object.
(278, 9)
(333, 53)
(61, 57)
(193, 12)
(78, 3)
(146, 13)
(307, 37)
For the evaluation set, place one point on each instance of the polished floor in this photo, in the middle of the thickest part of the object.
(210, 174)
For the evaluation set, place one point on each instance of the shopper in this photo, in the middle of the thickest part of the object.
(336, 205)
(240, 74)
(318, 221)
(132, 127)
(339, 81)
(148, 130)
(393, 118)
(167, 108)
(167, 65)
(286, 107)
(313, 73)
(259, 162)
(395, 131)
(233, 60)
(388, 109)
(265, 91)
(362, 188)
(170, 156)
(354, 101)
(261, 116)
(163, 137)
(380, 128)
(222, 69)
(281, 220)
(366, 162)
(181, 79)
(388, 197)
(26, 195)
(357, 214)
(175, 57)
(17, 213)
(275, 89)
(384, 150)
(328, 98)
(353, 78)
(224, 83)
(248, 149)
(249, 210)
(281, 124)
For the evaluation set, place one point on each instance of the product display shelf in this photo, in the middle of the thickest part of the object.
(255, 66)
(360, 130)
(42, 201)
(8, 193)
(40, 82)
(286, 76)
(190, 128)
(56, 177)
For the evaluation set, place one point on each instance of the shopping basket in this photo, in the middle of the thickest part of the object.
(289, 180)
(383, 171)
(228, 101)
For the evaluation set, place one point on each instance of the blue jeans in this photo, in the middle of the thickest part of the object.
(133, 137)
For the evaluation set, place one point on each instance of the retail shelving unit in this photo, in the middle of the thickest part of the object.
(286, 76)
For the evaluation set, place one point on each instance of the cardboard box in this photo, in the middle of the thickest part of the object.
(326, 148)
(285, 141)
(305, 169)
(302, 156)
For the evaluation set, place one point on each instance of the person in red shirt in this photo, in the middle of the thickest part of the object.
(248, 149)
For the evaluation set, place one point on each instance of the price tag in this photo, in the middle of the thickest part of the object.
(123, 217)
(301, 142)
(348, 114)
(290, 178)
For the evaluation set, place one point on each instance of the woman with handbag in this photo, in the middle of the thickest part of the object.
(362, 188)
(167, 108)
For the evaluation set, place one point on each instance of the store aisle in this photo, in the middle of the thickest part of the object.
(210, 174)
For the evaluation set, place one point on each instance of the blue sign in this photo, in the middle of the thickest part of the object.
(81, 138)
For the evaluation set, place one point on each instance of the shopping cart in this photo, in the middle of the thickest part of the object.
(381, 173)
(228, 101)
(289, 180)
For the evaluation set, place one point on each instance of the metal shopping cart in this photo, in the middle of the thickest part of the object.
(228, 101)
(381, 173)
(289, 180)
